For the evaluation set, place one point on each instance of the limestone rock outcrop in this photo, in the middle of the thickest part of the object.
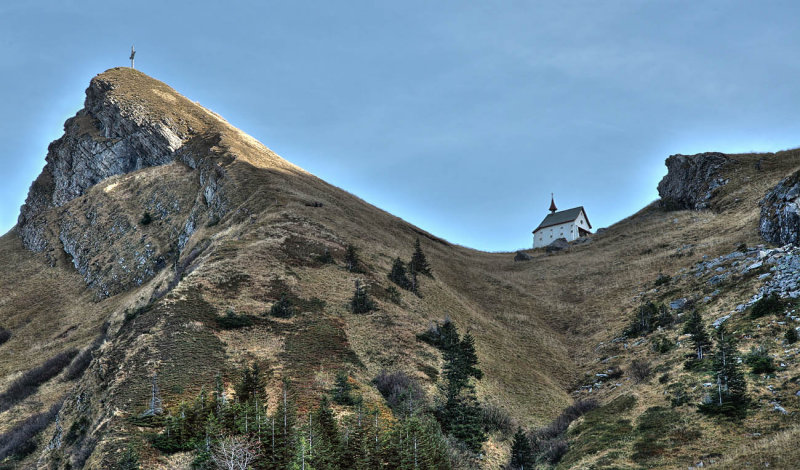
(691, 180)
(780, 214)
(121, 156)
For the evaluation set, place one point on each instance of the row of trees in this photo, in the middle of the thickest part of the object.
(238, 432)
(239, 428)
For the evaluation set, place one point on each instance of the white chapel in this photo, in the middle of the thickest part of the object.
(570, 224)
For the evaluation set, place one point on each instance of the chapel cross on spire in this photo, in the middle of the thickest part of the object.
(553, 208)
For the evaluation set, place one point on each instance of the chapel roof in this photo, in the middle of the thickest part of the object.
(562, 217)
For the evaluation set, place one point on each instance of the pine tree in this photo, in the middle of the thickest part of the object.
(462, 419)
(521, 452)
(286, 439)
(419, 260)
(252, 385)
(461, 362)
(694, 326)
(351, 260)
(361, 302)
(731, 396)
(327, 446)
(398, 274)
(342, 390)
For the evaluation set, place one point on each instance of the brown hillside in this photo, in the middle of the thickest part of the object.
(537, 324)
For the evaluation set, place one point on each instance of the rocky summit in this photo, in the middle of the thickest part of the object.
(173, 289)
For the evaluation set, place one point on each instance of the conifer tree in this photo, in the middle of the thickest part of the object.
(327, 450)
(521, 452)
(361, 302)
(252, 385)
(731, 385)
(419, 260)
(342, 390)
(694, 326)
(398, 274)
(286, 439)
(351, 260)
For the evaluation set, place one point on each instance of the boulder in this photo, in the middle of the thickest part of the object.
(559, 244)
(780, 215)
(692, 180)
(522, 256)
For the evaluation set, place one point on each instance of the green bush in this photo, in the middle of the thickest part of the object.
(146, 219)
(282, 308)
(791, 336)
(232, 321)
(662, 279)
(759, 361)
(771, 304)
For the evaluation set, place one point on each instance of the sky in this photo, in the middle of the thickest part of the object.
(461, 117)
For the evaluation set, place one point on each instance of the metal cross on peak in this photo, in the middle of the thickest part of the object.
(133, 53)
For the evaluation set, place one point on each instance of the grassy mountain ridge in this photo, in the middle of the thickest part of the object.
(538, 325)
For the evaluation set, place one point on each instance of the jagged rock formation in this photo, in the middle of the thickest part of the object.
(110, 137)
(780, 214)
(691, 180)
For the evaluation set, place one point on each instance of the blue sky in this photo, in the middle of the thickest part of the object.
(460, 117)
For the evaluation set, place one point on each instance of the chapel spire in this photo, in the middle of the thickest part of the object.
(553, 207)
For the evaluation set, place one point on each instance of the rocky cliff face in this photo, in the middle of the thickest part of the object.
(780, 214)
(691, 180)
(107, 237)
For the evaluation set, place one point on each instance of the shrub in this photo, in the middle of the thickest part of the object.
(662, 279)
(5, 335)
(325, 257)
(759, 360)
(393, 294)
(559, 425)
(647, 318)
(232, 321)
(766, 305)
(19, 440)
(282, 308)
(553, 450)
(129, 460)
(662, 344)
(791, 336)
(401, 391)
(497, 419)
(614, 372)
(146, 219)
(30, 381)
(640, 370)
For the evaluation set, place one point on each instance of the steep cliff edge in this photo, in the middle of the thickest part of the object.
(129, 123)
(691, 180)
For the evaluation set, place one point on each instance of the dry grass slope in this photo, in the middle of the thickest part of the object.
(537, 324)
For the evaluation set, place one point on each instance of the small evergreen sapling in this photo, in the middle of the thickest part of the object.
(351, 260)
(398, 274)
(694, 326)
(361, 302)
(419, 260)
(791, 336)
